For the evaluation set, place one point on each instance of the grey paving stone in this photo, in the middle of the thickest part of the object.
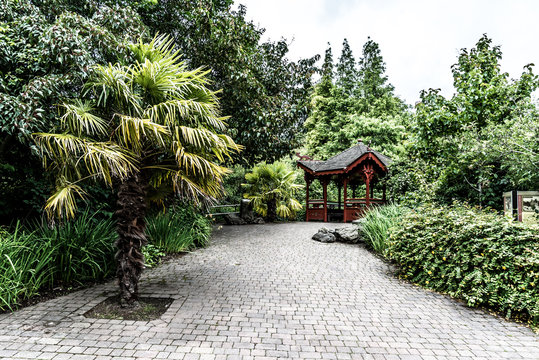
(269, 292)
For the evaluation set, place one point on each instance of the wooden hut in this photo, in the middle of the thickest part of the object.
(355, 166)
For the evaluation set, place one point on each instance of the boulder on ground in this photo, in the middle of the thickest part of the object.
(324, 235)
(348, 234)
(233, 219)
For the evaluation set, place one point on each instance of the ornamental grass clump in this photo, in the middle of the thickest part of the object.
(179, 229)
(376, 226)
(477, 255)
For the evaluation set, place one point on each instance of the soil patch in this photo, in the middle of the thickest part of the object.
(147, 310)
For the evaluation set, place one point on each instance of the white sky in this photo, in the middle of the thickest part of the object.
(419, 39)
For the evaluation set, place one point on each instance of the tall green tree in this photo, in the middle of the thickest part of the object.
(375, 95)
(327, 70)
(347, 74)
(265, 94)
(360, 105)
(455, 135)
(47, 49)
(145, 127)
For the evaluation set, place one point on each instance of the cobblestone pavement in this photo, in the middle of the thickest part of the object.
(268, 292)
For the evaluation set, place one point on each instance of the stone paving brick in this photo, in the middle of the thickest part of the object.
(269, 292)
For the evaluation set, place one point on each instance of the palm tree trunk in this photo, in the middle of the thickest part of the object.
(272, 210)
(131, 237)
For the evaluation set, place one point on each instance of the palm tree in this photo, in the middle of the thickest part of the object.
(145, 128)
(271, 187)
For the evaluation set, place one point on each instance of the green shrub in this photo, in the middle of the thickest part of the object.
(179, 229)
(152, 255)
(477, 255)
(84, 249)
(376, 226)
(79, 251)
(25, 266)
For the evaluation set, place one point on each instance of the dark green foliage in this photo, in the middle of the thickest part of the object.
(179, 229)
(152, 255)
(347, 74)
(479, 256)
(232, 184)
(74, 253)
(84, 248)
(82, 251)
(47, 49)
(26, 266)
(265, 94)
(327, 66)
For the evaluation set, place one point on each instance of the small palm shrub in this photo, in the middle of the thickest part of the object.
(179, 229)
(272, 189)
(377, 224)
(476, 255)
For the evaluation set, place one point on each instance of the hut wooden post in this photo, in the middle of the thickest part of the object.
(345, 183)
(368, 171)
(339, 199)
(325, 185)
(308, 182)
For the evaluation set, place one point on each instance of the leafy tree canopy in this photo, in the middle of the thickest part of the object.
(455, 136)
(265, 94)
(358, 105)
(47, 51)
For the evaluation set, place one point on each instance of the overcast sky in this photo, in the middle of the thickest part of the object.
(419, 39)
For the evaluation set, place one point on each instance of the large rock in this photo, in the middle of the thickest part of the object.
(233, 219)
(348, 234)
(324, 235)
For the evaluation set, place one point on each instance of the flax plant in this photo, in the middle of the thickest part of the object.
(144, 129)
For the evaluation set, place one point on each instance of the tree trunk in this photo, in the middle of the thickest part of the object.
(131, 237)
(272, 210)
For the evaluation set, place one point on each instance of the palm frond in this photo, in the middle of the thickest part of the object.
(160, 47)
(105, 159)
(187, 186)
(63, 203)
(108, 161)
(132, 130)
(58, 146)
(111, 85)
(79, 120)
(186, 112)
(199, 165)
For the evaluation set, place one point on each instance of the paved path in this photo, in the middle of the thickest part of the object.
(267, 292)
